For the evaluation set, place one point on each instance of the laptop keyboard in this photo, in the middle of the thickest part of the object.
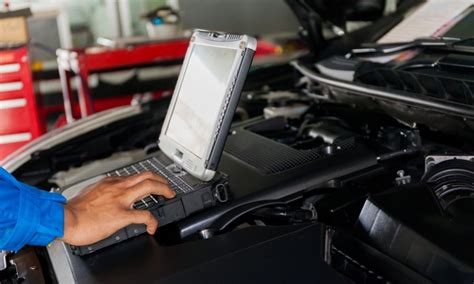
(156, 166)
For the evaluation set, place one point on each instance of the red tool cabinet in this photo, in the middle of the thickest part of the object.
(19, 113)
(80, 63)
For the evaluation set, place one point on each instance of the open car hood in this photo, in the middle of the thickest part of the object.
(438, 113)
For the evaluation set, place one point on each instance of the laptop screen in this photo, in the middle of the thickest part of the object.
(200, 97)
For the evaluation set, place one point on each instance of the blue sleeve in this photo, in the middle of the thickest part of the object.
(28, 216)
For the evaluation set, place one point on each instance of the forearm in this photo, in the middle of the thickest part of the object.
(70, 224)
(29, 216)
(39, 221)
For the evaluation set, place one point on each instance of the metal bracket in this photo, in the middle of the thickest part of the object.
(402, 179)
(221, 193)
(3, 260)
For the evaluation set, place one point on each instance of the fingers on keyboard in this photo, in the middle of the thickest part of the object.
(147, 187)
(136, 179)
(144, 217)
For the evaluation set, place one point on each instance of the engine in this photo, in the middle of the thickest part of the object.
(408, 217)
(394, 199)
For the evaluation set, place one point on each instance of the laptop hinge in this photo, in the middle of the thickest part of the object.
(177, 162)
(178, 167)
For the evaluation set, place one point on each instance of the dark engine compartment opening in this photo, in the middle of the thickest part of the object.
(378, 189)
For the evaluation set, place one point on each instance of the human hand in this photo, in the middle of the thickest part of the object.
(106, 207)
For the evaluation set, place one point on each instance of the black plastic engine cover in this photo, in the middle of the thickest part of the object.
(407, 229)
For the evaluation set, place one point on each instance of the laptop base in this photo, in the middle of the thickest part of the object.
(192, 195)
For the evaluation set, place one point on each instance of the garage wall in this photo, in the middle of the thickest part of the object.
(90, 19)
(242, 16)
(94, 15)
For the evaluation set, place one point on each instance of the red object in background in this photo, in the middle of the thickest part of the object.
(20, 121)
(83, 62)
(267, 48)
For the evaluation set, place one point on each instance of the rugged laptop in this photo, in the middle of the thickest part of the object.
(193, 134)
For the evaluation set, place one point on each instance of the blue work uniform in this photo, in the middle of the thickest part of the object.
(28, 216)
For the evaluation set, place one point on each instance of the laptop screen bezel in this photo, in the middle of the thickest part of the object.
(193, 164)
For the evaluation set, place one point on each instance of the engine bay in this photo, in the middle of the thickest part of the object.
(413, 210)
(380, 189)
(349, 161)
(389, 197)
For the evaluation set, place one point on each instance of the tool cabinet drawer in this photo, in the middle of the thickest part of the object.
(14, 116)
